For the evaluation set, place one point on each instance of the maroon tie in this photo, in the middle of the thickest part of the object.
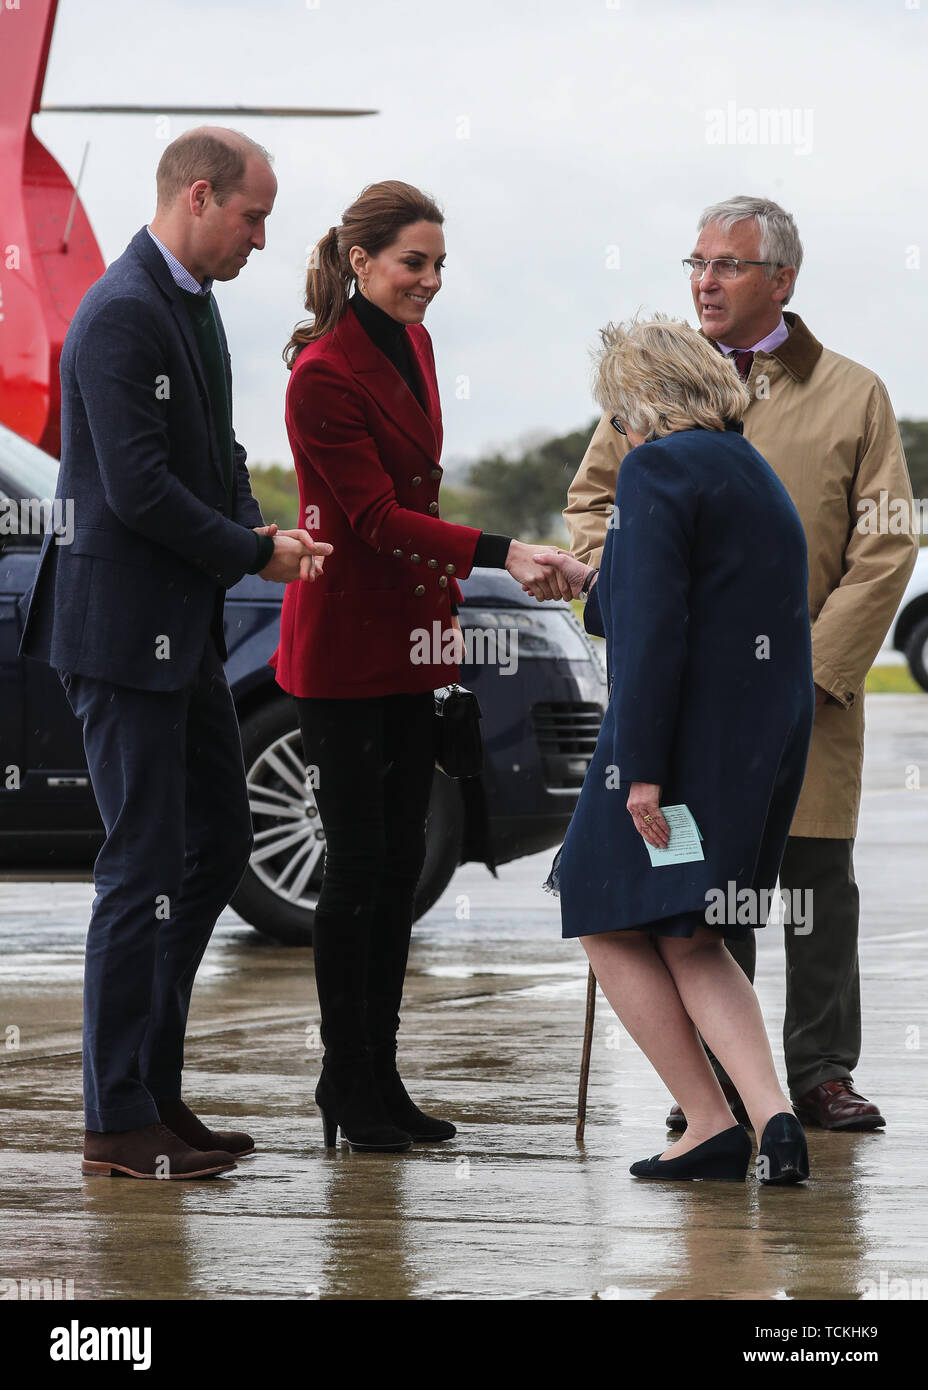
(742, 360)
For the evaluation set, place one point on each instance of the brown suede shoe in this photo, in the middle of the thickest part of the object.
(836, 1105)
(153, 1151)
(677, 1120)
(181, 1119)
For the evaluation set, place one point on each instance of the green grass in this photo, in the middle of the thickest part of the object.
(892, 680)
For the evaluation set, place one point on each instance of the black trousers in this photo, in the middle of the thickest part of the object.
(821, 1026)
(375, 762)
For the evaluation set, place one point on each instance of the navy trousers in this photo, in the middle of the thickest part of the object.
(169, 780)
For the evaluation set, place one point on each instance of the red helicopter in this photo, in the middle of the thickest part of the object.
(49, 255)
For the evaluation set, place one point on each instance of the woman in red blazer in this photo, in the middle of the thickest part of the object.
(364, 421)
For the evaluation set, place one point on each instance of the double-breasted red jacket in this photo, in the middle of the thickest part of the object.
(366, 457)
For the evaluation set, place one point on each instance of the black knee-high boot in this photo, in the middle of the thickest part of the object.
(389, 951)
(348, 1096)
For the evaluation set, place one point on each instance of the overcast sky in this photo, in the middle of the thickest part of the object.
(571, 144)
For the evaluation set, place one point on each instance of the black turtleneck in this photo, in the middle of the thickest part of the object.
(391, 337)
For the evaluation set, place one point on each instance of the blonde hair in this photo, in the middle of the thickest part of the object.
(660, 375)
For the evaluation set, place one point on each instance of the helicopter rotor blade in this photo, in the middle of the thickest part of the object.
(209, 110)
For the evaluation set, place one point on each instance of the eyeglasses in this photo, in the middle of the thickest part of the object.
(722, 267)
(616, 424)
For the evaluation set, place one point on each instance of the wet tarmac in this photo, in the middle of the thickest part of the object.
(512, 1208)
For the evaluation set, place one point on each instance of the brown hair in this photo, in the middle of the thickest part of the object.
(374, 221)
(199, 154)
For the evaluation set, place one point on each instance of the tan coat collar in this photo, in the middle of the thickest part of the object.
(800, 351)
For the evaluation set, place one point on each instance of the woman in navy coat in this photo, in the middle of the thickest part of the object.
(702, 599)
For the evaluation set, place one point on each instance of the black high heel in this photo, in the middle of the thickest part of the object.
(723, 1158)
(783, 1156)
(349, 1100)
(424, 1129)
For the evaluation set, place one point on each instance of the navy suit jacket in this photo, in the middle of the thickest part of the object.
(157, 538)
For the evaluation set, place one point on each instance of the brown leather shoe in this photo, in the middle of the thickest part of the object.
(836, 1105)
(153, 1151)
(677, 1120)
(181, 1119)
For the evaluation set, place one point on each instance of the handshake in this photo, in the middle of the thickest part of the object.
(546, 573)
(296, 555)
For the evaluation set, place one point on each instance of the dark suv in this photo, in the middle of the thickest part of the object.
(540, 724)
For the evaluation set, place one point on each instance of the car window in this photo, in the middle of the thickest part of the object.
(547, 633)
(28, 480)
(27, 471)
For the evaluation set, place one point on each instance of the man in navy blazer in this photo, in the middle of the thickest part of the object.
(130, 615)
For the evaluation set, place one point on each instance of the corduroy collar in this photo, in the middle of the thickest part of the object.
(800, 351)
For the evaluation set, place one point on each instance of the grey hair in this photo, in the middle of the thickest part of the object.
(779, 235)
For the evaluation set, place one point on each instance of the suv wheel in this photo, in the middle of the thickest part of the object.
(916, 651)
(280, 889)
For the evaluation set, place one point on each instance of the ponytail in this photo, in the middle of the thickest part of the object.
(374, 221)
(327, 286)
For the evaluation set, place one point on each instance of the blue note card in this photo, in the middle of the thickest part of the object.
(684, 846)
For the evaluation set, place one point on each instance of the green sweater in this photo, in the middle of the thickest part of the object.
(202, 313)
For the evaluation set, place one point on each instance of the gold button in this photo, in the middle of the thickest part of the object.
(419, 590)
(432, 564)
(416, 480)
(415, 559)
(442, 582)
(450, 569)
(433, 507)
(398, 554)
(435, 473)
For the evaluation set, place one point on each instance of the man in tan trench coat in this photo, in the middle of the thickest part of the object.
(826, 426)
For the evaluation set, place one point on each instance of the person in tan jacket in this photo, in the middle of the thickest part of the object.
(827, 427)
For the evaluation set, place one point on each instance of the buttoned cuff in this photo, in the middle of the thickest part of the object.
(837, 687)
(432, 573)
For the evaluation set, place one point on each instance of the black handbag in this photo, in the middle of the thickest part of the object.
(458, 745)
